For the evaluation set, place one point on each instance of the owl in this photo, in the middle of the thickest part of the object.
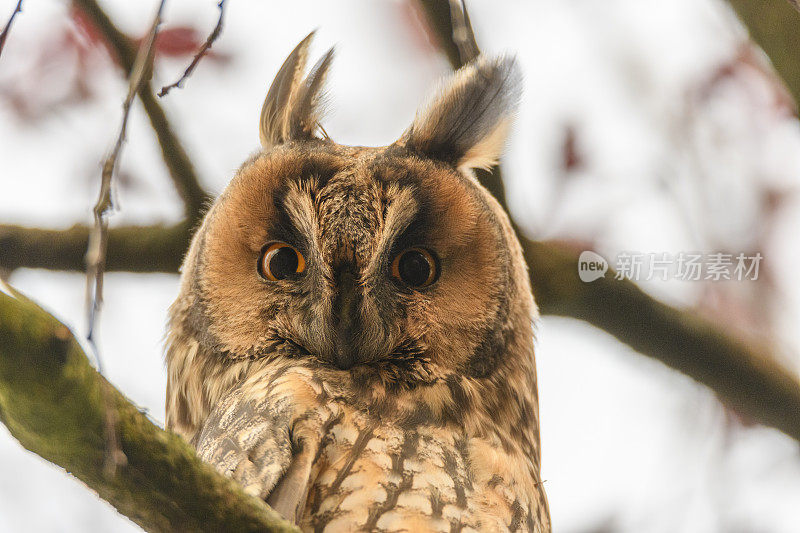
(353, 337)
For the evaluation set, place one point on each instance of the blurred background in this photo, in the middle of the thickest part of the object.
(646, 126)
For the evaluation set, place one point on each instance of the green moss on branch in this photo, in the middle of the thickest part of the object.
(54, 403)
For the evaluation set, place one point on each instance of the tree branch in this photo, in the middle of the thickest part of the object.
(131, 248)
(181, 170)
(98, 236)
(748, 378)
(51, 400)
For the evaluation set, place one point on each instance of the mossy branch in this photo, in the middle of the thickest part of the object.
(51, 400)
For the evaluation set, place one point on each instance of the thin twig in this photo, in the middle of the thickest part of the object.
(463, 36)
(7, 28)
(181, 168)
(200, 53)
(98, 237)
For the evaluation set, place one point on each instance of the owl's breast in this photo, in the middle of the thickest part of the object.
(378, 473)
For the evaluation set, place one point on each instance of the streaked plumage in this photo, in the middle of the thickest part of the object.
(345, 396)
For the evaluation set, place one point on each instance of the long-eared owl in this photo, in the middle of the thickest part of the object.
(353, 338)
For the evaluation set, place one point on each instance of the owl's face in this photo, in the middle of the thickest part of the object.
(392, 263)
(357, 257)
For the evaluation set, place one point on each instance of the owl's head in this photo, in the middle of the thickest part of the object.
(390, 263)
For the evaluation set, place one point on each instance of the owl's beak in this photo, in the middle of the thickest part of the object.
(347, 320)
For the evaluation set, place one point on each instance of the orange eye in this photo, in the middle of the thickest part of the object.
(416, 267)
(280, 261)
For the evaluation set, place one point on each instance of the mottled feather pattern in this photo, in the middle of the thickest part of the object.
(348, 397)
(368, 473)
(248, 440)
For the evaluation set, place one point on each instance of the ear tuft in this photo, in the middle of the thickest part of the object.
(306, 107)
(291, 109)
(467, 122)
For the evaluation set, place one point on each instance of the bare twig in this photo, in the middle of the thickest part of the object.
(95, 255)
(7, 28)
(98, 238)
(181, 169)
(200, 53)
(462, 35)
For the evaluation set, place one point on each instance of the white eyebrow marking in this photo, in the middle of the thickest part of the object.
(299, 206)
(400, 212)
